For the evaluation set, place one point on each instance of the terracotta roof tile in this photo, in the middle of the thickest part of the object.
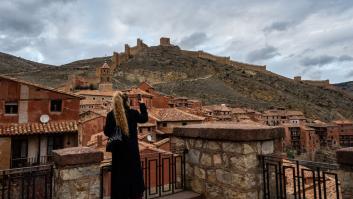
(136, 91)
(173, 114)
(38, 128)
(96, 93)
(218, 108)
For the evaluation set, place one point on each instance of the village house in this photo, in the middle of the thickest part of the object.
(345, 129)
(300, 138)
(34, 120)
(133, 94)
(168, 118)
(159, 100)
(327, 133)
(218, 112)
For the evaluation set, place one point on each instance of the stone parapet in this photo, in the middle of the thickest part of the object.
(223, 159)
(77, 173)
(230, 132)
(345, 160)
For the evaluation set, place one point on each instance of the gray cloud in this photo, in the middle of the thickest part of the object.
(278, 26)
(193, 40)
(265, 53)
(60, 31)
(345, 58)
(324, 60)
(320, 60)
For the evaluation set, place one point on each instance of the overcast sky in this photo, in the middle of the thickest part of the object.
(311, 38)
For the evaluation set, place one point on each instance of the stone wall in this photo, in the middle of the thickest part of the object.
(77, 173)
(222, 159)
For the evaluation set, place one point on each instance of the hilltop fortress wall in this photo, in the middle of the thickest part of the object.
(130, 52)
(323, 83)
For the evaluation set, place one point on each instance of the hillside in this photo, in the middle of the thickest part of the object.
(347, 86)
(12, 64)
(175, 73)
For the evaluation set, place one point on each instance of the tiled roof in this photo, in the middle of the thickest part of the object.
(90, 102)
(38, 128)
(238, 111)
(148, 124)
(173, 115)
(161, 142)
(105, 65)
(96, 93)
(136, 91)
(218, 108)
(39, 86)
(343, 122)
(146, 146)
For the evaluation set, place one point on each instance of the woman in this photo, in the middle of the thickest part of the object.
(127, 177)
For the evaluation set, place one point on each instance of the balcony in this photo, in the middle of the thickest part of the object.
(33, 161)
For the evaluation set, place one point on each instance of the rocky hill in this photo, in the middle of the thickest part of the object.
(11, 64)
(173, 72)
(347, 86)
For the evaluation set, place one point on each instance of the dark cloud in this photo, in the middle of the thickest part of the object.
(345, 58)
(193, 40)
(261, 54)
(320, 60)
(324, 60)
(278, 26)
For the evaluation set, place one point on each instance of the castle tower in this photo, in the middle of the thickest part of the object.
(164, 41)
(115, 60)
(105, 78)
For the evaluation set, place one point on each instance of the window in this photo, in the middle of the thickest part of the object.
(11, 107)
(184, 123)
(54, 142)
(164, 124)
(55, 105)
(19, 152)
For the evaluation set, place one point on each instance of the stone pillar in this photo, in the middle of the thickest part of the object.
(77, 173)
(345, 174)
(223, 158)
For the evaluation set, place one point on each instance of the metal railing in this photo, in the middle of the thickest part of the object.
(298, 179)
(164, 174)
(28, 162)
(28, 182)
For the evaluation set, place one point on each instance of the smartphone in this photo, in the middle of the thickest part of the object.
(139, 97)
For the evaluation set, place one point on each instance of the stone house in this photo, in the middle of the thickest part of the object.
(302, 139)
(34, 120)
(168, 118)
(345, 128)
(218, 112)
(327, 134)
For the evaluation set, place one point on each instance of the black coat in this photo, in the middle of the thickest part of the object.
(127, 176)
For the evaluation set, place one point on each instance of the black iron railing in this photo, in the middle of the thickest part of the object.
(164, 174)
(28, 162)
(28, 182)
(298, 179)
